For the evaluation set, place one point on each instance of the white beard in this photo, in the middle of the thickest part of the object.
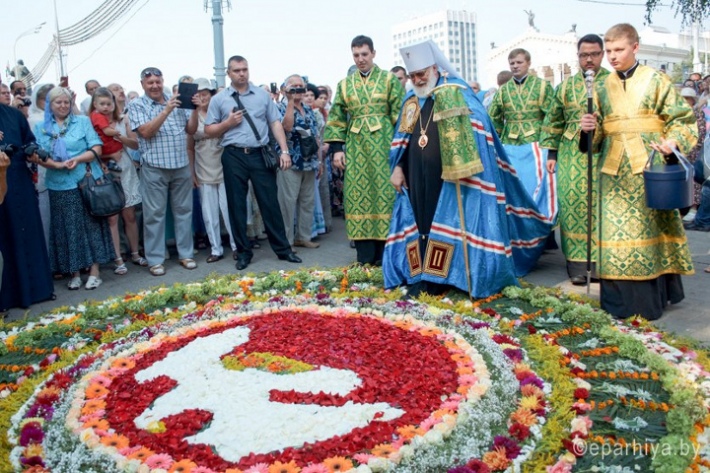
(423, 91)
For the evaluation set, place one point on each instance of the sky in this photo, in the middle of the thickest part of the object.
(278, 38)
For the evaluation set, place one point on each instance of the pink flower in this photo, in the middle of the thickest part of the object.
(202, 469)
(560, 467)
(361, 458)
(317, 468)
(258, 468)
(159, 460)
(128, 450)
(102, 380)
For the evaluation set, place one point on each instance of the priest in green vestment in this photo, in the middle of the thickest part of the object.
(520, 105)
(642, 251)
(360, 129)
(560, 134)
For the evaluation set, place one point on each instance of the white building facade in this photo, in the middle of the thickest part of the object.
(453, 31)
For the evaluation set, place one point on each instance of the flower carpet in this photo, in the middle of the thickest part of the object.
(324, 371)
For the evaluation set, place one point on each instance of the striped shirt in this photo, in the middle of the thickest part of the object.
(168, 148)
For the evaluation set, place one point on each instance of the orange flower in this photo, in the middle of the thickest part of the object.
(531, 390)
(93, 405)
(496, 459)
(141, 454)
(289, 467)
(123, 364)
(116, 441)
(408, 431)
(524, 416)
(338, 464)
(382, 450)
(183, 466)
(99, 424)
(233, 470)
(96, 391)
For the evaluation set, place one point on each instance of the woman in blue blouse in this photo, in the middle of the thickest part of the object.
(78, 240)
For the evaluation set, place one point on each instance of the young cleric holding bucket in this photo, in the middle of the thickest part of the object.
(642, 251)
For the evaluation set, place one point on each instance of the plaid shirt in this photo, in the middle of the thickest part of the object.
(168, 148)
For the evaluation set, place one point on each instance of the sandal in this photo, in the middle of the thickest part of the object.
(138, 260)
(74, 284)
(157, 270)
(93, 282)
(707, 270)
(120, 267)
(188, 263)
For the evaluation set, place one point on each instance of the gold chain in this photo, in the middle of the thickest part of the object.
(423, 139)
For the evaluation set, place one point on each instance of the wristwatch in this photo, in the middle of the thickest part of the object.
(286, 153)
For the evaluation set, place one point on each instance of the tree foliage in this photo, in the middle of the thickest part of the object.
(689, 10)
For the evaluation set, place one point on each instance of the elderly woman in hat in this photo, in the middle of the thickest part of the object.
(77, 239)
(206, 162)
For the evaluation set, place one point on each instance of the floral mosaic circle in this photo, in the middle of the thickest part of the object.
(320, 372)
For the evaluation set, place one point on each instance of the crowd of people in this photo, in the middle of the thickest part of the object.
(420, 164)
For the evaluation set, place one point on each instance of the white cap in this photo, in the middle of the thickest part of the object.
(688, 92)
(204, 84)
(419, 56)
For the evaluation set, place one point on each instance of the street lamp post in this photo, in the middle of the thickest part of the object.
(34, 30)
(218, 35)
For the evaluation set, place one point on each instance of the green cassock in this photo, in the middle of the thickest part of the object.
(363, 115)
(517, 111)
(561, 131)
(637, 243)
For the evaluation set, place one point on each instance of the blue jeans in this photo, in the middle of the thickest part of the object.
(702, 216)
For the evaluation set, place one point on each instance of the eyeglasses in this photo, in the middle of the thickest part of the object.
(151, 71)
(418, 74)
(593, 55)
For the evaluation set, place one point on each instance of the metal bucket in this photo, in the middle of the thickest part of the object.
(668, 186)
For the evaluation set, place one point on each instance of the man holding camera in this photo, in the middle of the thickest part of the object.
(297, 185)
(362, 118)
(242, 115)
(20, 99)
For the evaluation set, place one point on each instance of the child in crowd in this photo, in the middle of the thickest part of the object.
(104, 115)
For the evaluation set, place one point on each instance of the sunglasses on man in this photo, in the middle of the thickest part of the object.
(151, 71)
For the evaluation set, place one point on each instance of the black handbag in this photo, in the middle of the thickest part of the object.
(309, 147)
(102, 197)
(268, 152)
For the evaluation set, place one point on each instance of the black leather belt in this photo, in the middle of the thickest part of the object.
(244, 150)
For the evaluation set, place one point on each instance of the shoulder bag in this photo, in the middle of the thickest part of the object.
(268, 153)
(102, 197)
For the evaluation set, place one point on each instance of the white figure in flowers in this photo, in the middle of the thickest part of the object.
(244, 419)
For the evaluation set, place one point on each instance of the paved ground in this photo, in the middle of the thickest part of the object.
(690, 318)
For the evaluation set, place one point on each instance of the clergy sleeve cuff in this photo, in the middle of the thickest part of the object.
(336, 146)
(552, 154)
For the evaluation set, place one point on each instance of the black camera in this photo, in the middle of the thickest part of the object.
(296, 90)
(8, 149)
(26, 101)
(274, 88)
(32, 148)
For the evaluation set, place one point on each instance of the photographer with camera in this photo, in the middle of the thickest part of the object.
(26, 275)
(20, 99)
(297, 185)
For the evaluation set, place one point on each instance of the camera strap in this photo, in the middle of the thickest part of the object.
(235, 96)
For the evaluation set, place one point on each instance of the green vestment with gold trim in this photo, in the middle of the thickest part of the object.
(637, 243)
(518, 111)
(561, 131)
(363, 115)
